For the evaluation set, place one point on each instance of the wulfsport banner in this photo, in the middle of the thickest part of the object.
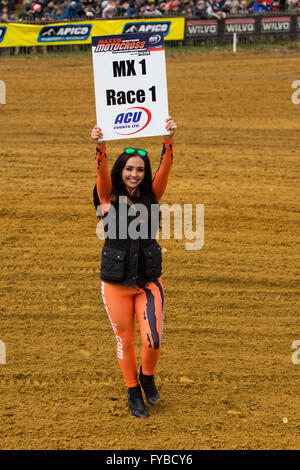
(81, 32)
(130, 85)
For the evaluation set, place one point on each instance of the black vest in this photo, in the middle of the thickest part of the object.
(131, 254)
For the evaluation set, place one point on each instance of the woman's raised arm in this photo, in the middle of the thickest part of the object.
(104, 185)
(160, 180)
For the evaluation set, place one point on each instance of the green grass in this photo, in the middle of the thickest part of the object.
(284, 46)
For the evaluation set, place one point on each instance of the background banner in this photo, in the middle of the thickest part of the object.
(81, 32)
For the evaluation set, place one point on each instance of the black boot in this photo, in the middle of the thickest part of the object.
(149, 387)
(136, 402)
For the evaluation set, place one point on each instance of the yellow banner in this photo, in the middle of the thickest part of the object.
(81, 32)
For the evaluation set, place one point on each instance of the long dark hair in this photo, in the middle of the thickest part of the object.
(146, 195)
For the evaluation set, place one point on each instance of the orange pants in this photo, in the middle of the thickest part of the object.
(121, 304)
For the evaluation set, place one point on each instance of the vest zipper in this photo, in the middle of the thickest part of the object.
(131, 203)
(137, 259)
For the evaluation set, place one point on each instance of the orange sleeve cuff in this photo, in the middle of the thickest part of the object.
(168, 141)
(100, 158)
(101, 146)
(104, 185)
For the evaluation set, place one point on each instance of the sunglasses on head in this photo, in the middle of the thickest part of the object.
(140, 152)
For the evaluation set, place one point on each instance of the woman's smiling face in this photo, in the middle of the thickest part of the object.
(133, 172)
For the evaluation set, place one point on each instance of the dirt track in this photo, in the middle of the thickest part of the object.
(232, 309)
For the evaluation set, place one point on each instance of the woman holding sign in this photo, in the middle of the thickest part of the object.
(131, 258)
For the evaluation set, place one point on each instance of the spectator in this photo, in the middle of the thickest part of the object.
(185, 5)
(87, 13)
(69, 9)
(282, 5)
(44, 3)
(37, 11)
(96, 9)
(142, 9)
(74, 9)
(168, 6)
(132, 11)
(243, 9)
(214, 11)
(200, 9)
(110, 9)
(5, 7)
(250, 6)
(151, 10)
(123, 8)
(58, 14)
(260, 6)
(176, 7)
(187, 11)
(231, 7)
(4, 16)
(49, 9)
(27, 15)
(275, 6)
(293, 6)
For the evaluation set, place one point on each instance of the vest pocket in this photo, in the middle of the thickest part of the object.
(112, 264)
(152, 261)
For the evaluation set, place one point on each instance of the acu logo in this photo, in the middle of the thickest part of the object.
(128, 117)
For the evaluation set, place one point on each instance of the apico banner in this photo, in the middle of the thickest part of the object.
(2, 32)
(240, 26)
(130, 85)
(204, 28)
(276, 24)
(81, 32)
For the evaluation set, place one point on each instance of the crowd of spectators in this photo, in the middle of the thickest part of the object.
(7, 10)
(49, 10)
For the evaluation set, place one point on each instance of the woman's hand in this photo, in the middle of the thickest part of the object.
(97, 134)
(171, 127)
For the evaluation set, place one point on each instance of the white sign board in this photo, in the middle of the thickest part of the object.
(130, 85)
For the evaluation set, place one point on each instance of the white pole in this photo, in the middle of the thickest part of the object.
(2, 92)
(234, 42)
(2, 353)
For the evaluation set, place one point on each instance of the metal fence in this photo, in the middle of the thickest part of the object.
(249, 29)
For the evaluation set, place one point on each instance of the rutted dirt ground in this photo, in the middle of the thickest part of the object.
(225, 376)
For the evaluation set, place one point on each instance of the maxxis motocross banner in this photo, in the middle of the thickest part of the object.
(80, 32)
